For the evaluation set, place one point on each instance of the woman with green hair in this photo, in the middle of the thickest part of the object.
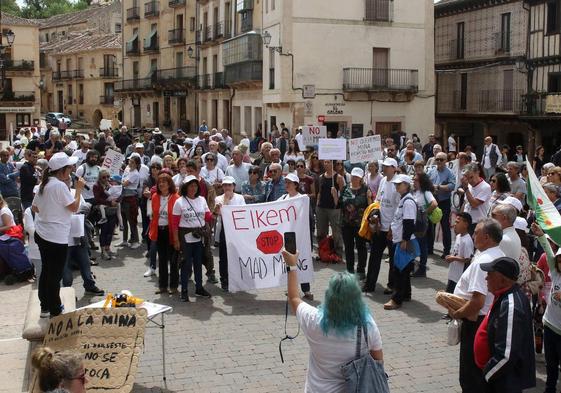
(331, 328)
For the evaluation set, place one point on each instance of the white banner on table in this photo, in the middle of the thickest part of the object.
(332, 149)
(365, 149)
(113, 161)
(255, 238)
(312, 134)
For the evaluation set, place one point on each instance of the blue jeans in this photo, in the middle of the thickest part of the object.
(192, 260)
(79, 255)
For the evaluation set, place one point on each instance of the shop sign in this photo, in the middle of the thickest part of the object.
(335, 108)
(17, 109)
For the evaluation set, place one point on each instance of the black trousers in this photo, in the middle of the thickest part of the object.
(402, 283)
(223, 258)
(378, 244)
(471, 376)
(350, 239)
(166, 261)
(53, 259)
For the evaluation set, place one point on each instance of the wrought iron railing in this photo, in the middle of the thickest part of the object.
(378, 10)
(380, 79)
(243, 72)
(133, 13)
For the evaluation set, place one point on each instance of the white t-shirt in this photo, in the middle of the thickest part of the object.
(90, 175)
(300, 140)
(134, 182)
(463, 248)
(406, 210)
(474, 279)
(163, 214)
(221, 161)
(192, 214)
(451, 144)
(6, 210)
(424, 199)
(213, 175)
(178, 179)
(52, 222)
(237, 200)
(481, 192)
(389, 199)
(81, 156)
(510, 244)
(329, 352)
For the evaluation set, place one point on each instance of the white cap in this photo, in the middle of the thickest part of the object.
(402, 179)
(135, 154)
(292, 177)
(189, 179)
(139, 146)
(357, 172)
(157, 131)
(60, 160)
(17, 143)
(390, 162)
(188, 141)
(521, 223)
(228, 180)
(513, 201)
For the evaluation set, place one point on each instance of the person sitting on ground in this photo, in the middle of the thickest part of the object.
(331, 328)
(59, 372)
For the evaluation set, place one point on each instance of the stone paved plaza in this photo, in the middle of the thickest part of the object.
(229, 343)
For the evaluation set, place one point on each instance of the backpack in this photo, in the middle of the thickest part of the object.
(421, 220)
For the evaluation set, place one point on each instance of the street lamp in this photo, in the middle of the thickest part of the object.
(191, 53)
(10, 37)
(267, 41)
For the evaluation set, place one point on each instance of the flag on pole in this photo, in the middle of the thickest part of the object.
(547, 216)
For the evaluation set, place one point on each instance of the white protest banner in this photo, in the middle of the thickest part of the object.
(255, 238)
(105, 124)
(111, 341)
(311, 134)
(332, 149)
(113, 161)
(365, 149)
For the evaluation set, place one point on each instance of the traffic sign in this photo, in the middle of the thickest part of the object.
(270, 242)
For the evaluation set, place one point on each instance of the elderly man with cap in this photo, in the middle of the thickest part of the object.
(355, 198)
(158, 137)
(504, 342)
(228, 198)
(505, 213)
(472, 287)
(388, 198)
(239, 170)
(139, 148)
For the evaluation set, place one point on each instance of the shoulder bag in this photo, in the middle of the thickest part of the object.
(434, 216)
(364, 374)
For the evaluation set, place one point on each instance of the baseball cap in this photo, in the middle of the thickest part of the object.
(513, 201)
(60, 160)
(228, 180)
(508, 267)
(189, 179)
(293, 178)
(357, 172)
(17, 143)
(390, 162)
(521, 223)
(188, 141)
(139, 146)
(402, 179)
(157, 131)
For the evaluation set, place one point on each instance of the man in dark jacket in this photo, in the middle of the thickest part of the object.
(504, 345)
(123, 139)
(28, 177)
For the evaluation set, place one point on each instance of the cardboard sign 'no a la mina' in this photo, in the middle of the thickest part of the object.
(111, 341)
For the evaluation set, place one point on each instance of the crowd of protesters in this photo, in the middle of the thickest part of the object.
(167, 200)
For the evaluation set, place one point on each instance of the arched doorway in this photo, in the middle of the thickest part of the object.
(96, 118)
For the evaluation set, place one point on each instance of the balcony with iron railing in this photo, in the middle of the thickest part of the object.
(133, 14)
(378, 10)
(541, 104)
(179, 77)
(109, 72)
(151, 9)
(19, 65)
(250, 71)
(208, 33)
(132, 47)
(176, 3)
(79, 74)
(380, 80)
(502, 43)
(151, 44)
(204, 81)
(60, 75)
(106, 100)
(218, 80)
(176, 36)
(17, 96)
(247, 22)
(134, 84)
(228, 28)
(244, 5)
(492, 101)
(218, 30)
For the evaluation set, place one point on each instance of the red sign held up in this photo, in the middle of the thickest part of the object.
(269, 242)
(321, 118)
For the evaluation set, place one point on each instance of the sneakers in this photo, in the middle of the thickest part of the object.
(172, 291)
(184, 297)
(44, 314)
(134, 245)
(150, 272)
(202, 293)
(212, 279)
(102, 221)
(95, 291)
(123, 244)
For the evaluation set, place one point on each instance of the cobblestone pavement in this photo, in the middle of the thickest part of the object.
(229, 343)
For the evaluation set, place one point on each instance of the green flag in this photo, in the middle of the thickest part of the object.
(547, 216)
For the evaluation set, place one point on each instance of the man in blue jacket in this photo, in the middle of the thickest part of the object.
(8, 175)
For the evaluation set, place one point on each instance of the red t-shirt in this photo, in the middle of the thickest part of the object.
(481, 349)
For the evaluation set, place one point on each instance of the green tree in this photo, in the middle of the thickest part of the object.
(10, 7)
(40, 9)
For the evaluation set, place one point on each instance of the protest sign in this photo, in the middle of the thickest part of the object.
(312, 134)
(105, 124)
(111, 341)
(113, 161)
(365, 149)
(332, 149)
(255, 238)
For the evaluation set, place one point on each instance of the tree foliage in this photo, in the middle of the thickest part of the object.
(10, 7)
(40, 9)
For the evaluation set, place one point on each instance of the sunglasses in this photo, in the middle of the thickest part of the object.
(440, 159)
(314, 157)
(300, 166)
(209, 159)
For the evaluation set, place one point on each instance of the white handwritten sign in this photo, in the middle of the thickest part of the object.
(255, 238)
(105, 124)
(332, 149)
(113, 161)
(365, 149)
(311, 134)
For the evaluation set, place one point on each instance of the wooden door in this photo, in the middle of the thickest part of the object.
(380, 64)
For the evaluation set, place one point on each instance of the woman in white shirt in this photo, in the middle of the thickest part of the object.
(182, 168)
(6, 215)
(129, 203)
(210, 172)
(228, 198)
(424, 197)
(190, 215)
(331, 328)
(54, 205)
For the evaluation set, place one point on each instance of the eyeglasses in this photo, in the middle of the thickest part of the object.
(300, 166)
(314, 157)
(209, 159)
(440, 159)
